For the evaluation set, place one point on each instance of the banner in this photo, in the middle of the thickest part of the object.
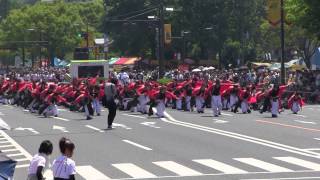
(274, 12)
(167, 33)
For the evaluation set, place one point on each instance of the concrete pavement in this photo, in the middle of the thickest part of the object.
(184, 145)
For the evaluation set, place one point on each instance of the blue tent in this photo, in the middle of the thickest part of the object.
(7, 167)
(315, 60)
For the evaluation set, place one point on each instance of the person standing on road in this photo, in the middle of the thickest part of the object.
(216, 99)
(64, 168)
(40, 161)
(110, 93)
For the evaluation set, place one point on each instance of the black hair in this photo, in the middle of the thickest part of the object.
(46, 147)
(114, 81)
(65, 144)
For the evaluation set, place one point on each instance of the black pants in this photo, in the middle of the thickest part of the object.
(112, 107)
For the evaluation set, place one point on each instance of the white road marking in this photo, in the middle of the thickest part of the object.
(89, 173)
(9, 150)
(300, 115)
(137, 145)
(13, 155)
(62, 119)
(1, 114)
(16, 145)
(263, 165)
(300, 162)
(225, 114)
(22, 159)
(251, 139)
(177, 168)
(295, 178)
(121, 125)
(219, 121)
(305, 122)
(136, 116)
(150, 124)
(318, 139)
(313, 149)
(60, 128)
(28, 129)
(225, 168)
(4, 146)
(94, 128)
(22, 166)
(4, 125)
(4, 142)
(134, 171)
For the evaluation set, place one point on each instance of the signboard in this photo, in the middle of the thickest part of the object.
(167, 33)
(89, 68)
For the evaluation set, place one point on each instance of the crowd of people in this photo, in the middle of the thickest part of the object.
(41, 92)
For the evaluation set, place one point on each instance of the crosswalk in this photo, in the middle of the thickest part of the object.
(13, 150)
(176, 169)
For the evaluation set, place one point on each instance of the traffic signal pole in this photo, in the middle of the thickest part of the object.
(283, 73)
(161, 39)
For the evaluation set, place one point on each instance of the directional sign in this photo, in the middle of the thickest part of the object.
(60, 128)
(121, 125)
(150, 124)
(27, 129)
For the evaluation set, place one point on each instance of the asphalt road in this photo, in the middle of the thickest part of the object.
(184, 145)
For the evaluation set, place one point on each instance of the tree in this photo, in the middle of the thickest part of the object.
(57, 23)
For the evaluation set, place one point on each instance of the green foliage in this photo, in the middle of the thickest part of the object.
(58, 23)
(164, 81)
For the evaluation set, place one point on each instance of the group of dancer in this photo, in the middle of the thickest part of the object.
(197, 95)
(149, 97)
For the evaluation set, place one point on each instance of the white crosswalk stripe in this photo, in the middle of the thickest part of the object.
(220, 166)
(89, 173)
(263, 165)
(177, 168)
(13, 150)
(134, 171)
(300, 162)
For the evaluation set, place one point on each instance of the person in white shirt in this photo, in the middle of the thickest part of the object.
(40, 161)
(64, 168)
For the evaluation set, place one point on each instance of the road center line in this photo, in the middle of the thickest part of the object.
(288, 125)
(94, 128)
(243, 137)
(137, 145)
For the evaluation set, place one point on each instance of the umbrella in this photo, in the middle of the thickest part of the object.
(7, 167)
(206, 69)
(211, 68)
(196, 70)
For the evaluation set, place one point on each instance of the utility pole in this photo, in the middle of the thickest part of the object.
(161, 39)
(283, 73)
